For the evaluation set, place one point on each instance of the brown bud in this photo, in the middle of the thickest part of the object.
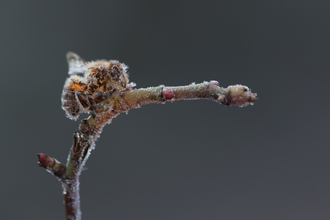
(240, 96)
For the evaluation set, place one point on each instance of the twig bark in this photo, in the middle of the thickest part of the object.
(90, 129)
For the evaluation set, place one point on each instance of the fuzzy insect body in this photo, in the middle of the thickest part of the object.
(90, 83)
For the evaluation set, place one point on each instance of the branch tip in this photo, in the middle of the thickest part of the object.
(40, 156)
(45, 161)
(239, 95)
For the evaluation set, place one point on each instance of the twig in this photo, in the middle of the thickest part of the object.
(90, 129)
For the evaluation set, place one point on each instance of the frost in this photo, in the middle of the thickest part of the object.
(49, 170)
(131, 85)
(83, 161)
(71, 190)
(125, 67)
(74, 118)
(193, 83)
(76, 199)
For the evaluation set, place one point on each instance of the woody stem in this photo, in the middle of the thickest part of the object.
(90, 129)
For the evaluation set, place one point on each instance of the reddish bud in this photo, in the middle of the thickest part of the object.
(41, 156)
(45, 161)
(168, 94)
(213, 82)
(122, 94)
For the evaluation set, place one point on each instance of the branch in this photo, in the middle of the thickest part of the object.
(90, 129)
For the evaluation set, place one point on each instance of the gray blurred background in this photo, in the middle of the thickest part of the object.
(184, 160)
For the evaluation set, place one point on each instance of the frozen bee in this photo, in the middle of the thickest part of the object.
(90, 83)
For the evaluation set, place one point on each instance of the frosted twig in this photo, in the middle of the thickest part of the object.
(90, 129)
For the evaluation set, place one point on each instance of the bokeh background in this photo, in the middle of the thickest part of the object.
(183, 160)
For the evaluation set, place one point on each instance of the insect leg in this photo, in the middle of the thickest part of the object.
(83, 101)
(86, 102)
(93, 106)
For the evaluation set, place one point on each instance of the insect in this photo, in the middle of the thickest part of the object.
(90, 83)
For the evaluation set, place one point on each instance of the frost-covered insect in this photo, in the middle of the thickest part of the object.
(90, 83)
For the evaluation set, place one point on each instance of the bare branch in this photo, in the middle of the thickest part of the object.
(90, 129)
(233, 95)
